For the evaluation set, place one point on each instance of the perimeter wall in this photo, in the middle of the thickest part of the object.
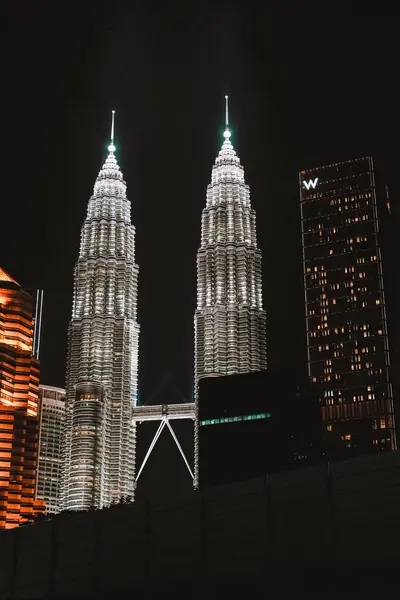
(331, 529)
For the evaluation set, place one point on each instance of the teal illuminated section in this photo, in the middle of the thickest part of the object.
(254, 417)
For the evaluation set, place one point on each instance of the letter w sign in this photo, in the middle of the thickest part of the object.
(310, 184)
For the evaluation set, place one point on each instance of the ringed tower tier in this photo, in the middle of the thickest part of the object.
(103, 348)
(230, 323)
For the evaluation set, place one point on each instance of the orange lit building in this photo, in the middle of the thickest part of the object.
(19, 390)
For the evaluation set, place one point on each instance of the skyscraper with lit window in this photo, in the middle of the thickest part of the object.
(19, 389)
(342, 206)
(102, 369)
(51, 427)
(229, 320)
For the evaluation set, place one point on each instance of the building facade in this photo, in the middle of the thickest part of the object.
(102, 369)
(51, 422)
(342, 207)
(229, 321)
(19, 389)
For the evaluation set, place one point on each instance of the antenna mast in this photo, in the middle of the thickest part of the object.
(111, 147)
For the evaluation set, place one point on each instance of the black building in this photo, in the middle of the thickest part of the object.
(255, 423)
(343, 206)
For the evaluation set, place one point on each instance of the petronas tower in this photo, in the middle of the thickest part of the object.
(102, 369)
(229, 321)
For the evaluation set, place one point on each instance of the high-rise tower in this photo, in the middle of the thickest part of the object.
(102, 369)
(19, 389)
(52, 413)
(229, 320)
(343, 208)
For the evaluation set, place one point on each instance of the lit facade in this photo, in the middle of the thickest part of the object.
(230, 323)
(102, 370)
(342, 207)
(19, 388)
(51, 422)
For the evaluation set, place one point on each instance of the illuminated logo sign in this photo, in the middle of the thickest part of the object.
(310, 184)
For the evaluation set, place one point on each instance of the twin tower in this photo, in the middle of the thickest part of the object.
(103, 348)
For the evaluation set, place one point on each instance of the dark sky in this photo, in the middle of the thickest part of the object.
(307, 85)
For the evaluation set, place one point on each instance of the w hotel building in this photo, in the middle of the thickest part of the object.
(19, 390)
(342, 206)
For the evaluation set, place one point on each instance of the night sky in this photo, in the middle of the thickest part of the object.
(306, 87)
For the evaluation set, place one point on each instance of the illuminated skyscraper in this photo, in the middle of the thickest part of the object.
(102, 368)
(342, 208)
(229, 320)
(52, 415)
(19, 388)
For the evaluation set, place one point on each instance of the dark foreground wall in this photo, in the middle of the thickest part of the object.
(330, 533)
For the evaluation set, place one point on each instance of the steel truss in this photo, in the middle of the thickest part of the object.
(164, 413)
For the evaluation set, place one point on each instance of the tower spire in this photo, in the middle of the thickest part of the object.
(111, 147)
(227, 133)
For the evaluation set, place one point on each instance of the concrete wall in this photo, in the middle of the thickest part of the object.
(321, 526)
